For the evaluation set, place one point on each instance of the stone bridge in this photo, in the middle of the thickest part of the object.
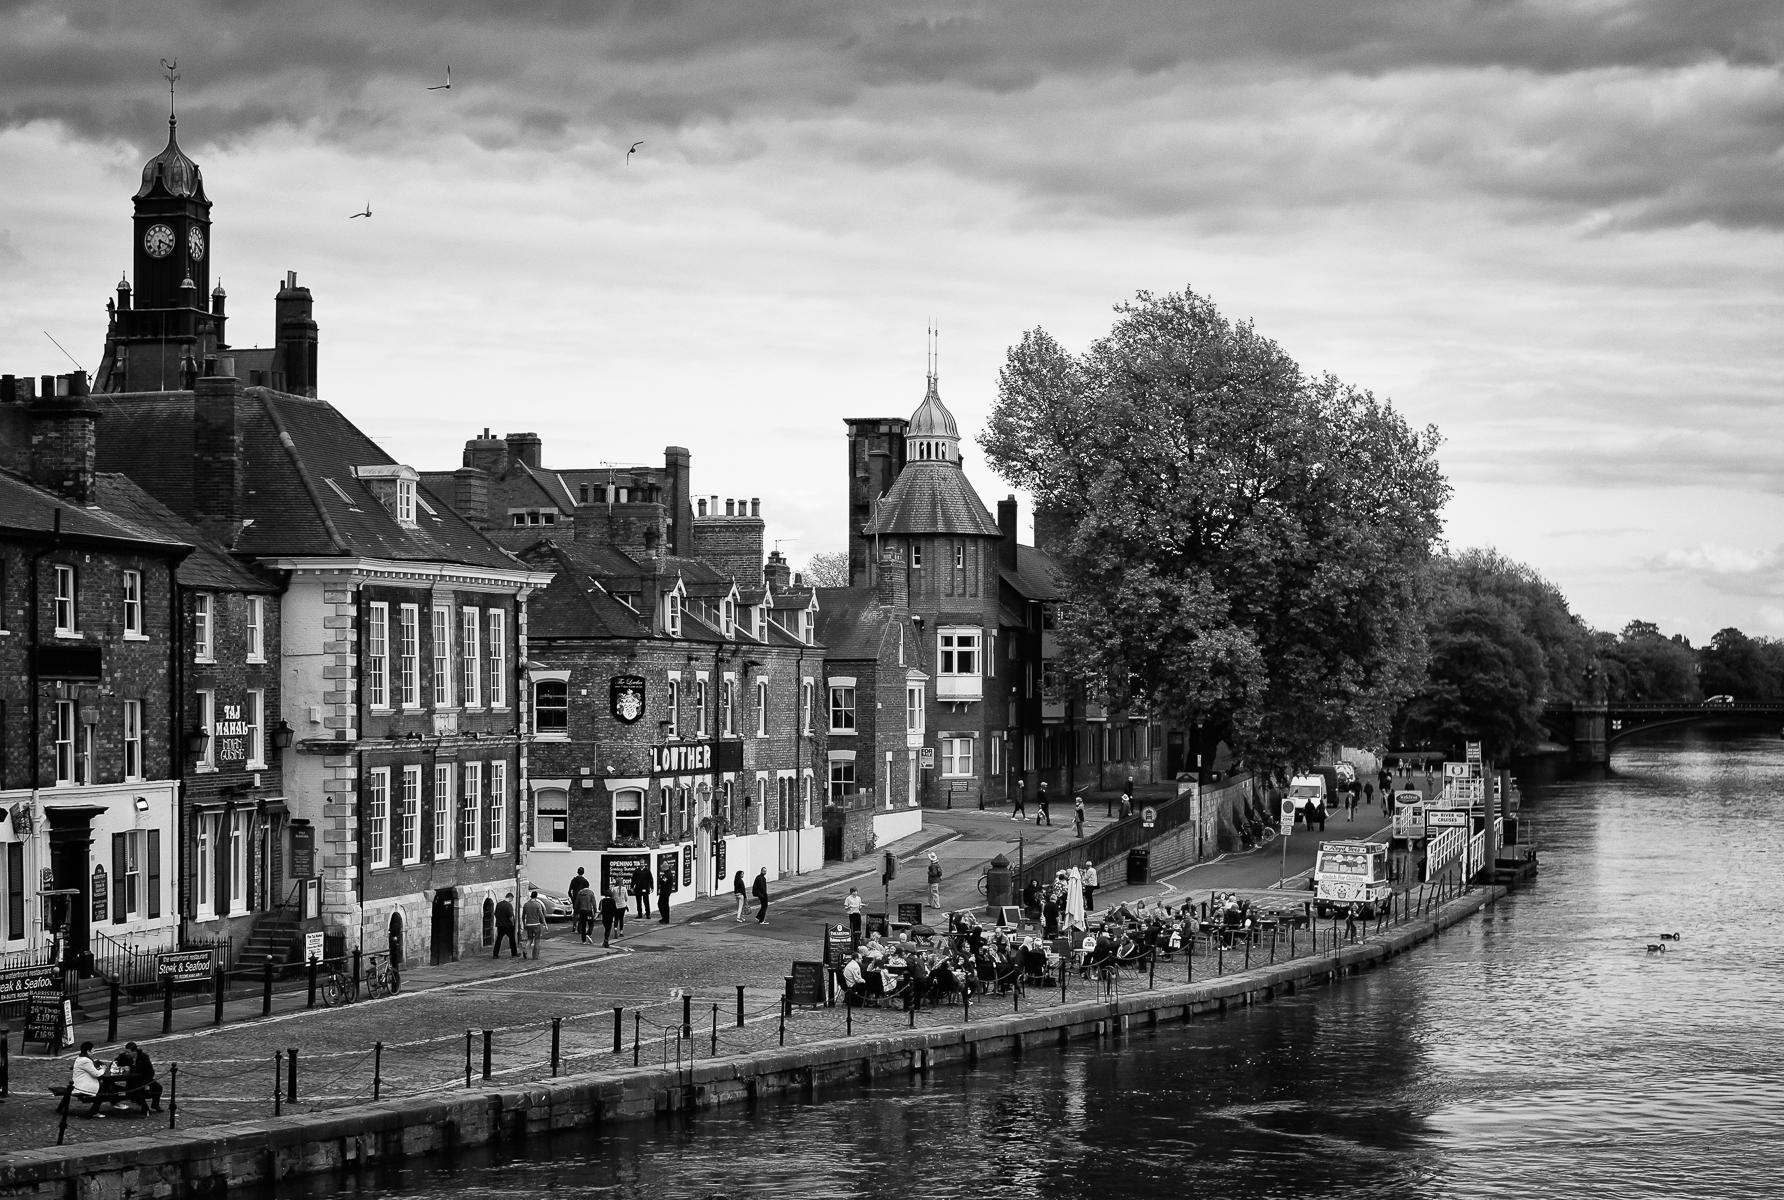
(1590, 728)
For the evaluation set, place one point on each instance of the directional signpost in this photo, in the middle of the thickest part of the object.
(1287, 827)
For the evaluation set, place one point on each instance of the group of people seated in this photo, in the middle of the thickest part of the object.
(968, 961)
(125, 1085)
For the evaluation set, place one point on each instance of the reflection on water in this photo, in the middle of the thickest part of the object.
(1539, 1050)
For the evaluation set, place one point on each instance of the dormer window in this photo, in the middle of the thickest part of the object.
(672, 614)
(394, 486)
(728, 618)
(761, 623)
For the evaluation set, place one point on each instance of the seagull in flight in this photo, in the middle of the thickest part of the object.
(366, 213)
(633, 150)
(443, 87)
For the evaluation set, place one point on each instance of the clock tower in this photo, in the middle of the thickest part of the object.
(164, 329)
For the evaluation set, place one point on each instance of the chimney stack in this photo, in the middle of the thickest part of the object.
(64, 438)
(525, 448)
(470, 495)
(1006, 528)
(777, 573)
(294, 349)
(219, 474)
(891, 586)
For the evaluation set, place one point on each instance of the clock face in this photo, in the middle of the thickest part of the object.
(195, 243)
(158, 241)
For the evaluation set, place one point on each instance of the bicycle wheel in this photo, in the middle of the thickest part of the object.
(393, 981)
(374, 985)
(984, 880)
(333, 992)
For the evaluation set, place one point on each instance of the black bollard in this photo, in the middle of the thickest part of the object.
(557, 1032)
(1248, 950)
(634, 1039)
(715, 1031)
(111, 1027)
(311, 1002)
(1152, 970)
(848, 1015)
(783, 1026)
(173, 1089)
(358, 953)
(266, 987)
(740, 1006)
(1220, 957)
(619, 1037)
(966, 1003)
(378, 1068)
(217, 982)
(291, 1075)
(278, 1081)
(488, 1035)
(468, 1036)
(687, 1015)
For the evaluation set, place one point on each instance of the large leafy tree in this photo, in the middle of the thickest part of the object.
(1503, 644)
(1641, 663)
(1240, 543)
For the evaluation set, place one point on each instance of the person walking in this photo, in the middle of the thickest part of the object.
(1368, 795)
(1078, 815)
(617, 893)
(578, 883)
(760, 890)
(582, 901)
(505, 925)
(1127, 800)
(935, 881)
(742, 890)
(665, 888)
(1090, 881)
(532, 922)
(609, 910)
(851, 904)
(1350, 802)
(1041, 801)
(641, 888)
(1018, 808)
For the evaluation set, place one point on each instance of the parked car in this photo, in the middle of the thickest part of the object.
(557, 905)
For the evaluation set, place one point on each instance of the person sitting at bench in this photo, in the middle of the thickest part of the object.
(140, 1085)
(89, 1083)
(854, 983)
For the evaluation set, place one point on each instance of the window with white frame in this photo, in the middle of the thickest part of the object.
(470, 818)
(700, 707)
(409, 835)
(806, 688)
(86, 761)
(728, 618)
(551, 707)
(761, 622)
(628, 815)
(471, 621)
(994, 756)
(408, 660)
(207, 721)
(254, 714)
(916, 553)
(682, 795)
(842, 774)
(672, 614)
(663, 810)
(133, 604)
(842, 706)
(132, 740)
(959, 554)
(204, 863)
(727, 707)
(256, 629)
(761, 708)
(405, 501)
(377, 654)
(957, 757)
(551, 817)
(241, 829)
(203, 631)
(66, 726)
(913, 708)
(959, 652)
(66, 603)
(498, 658)
(442, 640)
(498, 807)
(377, 817)
(442, 811)
(672, 699)
(128, 850)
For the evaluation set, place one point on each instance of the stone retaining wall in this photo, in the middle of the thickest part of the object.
(206, 1163)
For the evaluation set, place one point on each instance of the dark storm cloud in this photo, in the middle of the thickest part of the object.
(1555, 107)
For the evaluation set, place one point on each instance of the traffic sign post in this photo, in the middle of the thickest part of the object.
(1287, 827)
(1148, 817)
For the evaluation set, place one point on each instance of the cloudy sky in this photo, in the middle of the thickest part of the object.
(1550, 228)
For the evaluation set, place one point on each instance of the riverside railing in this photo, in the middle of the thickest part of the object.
(686, 1027)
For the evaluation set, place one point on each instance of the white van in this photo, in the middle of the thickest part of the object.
(1307, 789)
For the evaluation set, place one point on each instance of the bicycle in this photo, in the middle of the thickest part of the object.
(384, 979)
(339, 988)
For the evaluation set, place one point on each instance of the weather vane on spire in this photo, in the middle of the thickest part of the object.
(172, 75)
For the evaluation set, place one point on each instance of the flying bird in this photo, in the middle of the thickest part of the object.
(366, 213)
(443, 87)
(633, 150)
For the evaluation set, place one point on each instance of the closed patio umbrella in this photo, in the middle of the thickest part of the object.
(1074, 899)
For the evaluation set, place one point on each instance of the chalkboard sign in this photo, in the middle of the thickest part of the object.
(806, 984)
(687, 866)
(303, 850)
(839, 943)
(718, 860)
(910, 914)
(101, 893)
(44, 1021)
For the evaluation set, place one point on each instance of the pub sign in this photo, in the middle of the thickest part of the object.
(627, 698)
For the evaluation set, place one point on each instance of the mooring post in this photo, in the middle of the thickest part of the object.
(557, 1032)
(377, 1069)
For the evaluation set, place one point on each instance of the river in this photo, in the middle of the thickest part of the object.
(1538, 1050)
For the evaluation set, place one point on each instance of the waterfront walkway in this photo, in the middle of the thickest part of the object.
(429, 1040)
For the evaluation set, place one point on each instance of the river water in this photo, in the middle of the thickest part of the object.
(1538, 1050)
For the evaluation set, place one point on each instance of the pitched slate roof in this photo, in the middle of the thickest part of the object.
(301, 498)
(1036, 576)
(932, 497)
(853, 624)
(28, 509)
(209, 566)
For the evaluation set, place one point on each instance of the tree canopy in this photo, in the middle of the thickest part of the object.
(827, 568)
(1241, 543)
